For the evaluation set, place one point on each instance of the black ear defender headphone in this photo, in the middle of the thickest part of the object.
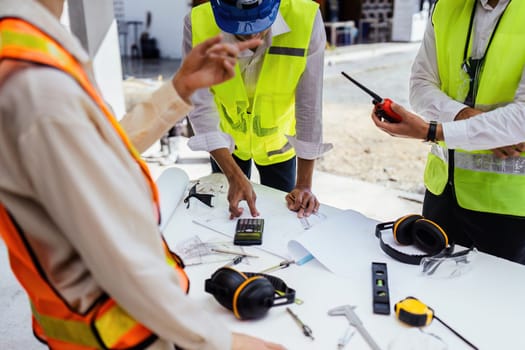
(249, 295)
(423, 233)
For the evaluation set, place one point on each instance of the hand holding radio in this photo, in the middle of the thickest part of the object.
(383, 106)
(411, 126)
(397, 121)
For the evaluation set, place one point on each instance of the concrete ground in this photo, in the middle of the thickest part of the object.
(373, 200)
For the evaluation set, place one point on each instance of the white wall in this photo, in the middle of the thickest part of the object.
(408, 22)
(107, 67)
(108, 72)
(166, 26)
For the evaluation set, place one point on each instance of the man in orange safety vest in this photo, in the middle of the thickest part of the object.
(78, 207)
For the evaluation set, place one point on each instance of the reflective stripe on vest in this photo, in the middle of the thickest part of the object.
(105, 325)
(487, 162)
(259, 129)
(481, 181)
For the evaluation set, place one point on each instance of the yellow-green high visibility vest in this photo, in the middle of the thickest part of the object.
(482, 182)
(259, 129)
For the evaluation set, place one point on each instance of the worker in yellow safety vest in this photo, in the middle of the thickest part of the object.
(78, 207)
(271, 112)
(468, 79)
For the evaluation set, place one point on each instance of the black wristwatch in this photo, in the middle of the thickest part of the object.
(432, 129)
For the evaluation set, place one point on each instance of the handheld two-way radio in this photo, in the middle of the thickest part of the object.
(415, 313)
(383, 105)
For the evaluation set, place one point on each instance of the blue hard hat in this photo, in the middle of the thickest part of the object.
(244, 17)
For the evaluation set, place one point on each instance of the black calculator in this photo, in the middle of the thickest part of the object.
(249, 231)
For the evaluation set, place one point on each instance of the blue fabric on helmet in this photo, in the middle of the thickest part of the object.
(244, 17)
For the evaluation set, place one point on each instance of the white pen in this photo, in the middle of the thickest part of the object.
(349, 333)
(225, 251)
(282, 265)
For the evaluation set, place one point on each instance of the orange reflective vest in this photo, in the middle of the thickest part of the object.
(105, 325)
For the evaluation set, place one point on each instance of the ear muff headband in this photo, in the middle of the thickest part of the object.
(234, 270)
(286, 294)
(249, 295)
(423, 226)
(390, 251)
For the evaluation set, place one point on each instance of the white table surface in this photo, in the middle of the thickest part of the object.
(484, 305)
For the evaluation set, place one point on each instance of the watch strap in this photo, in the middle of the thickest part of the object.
(432, 129)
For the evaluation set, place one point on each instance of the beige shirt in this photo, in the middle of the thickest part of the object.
(82, 201)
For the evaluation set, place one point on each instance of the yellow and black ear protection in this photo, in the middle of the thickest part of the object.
(248, 295)
(423, 233)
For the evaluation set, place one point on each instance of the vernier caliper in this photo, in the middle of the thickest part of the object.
(348, 311)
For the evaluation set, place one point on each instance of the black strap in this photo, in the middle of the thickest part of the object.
(399, 256)
(432, 129)
(469, 33)
(473, 67)
(287, 295)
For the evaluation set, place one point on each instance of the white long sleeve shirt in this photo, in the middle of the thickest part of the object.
(308, 107)
(499, 127)
(82, 201)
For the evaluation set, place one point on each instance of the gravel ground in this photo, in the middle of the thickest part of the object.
(361, 150)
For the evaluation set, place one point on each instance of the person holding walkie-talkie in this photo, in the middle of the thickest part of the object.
(470, 86)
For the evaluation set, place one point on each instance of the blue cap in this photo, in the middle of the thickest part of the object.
(244, 17)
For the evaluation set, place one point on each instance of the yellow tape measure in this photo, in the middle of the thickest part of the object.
(413, 312)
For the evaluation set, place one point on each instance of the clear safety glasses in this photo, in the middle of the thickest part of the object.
(450, 266)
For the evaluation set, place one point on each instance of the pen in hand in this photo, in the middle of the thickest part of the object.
(306, 330)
